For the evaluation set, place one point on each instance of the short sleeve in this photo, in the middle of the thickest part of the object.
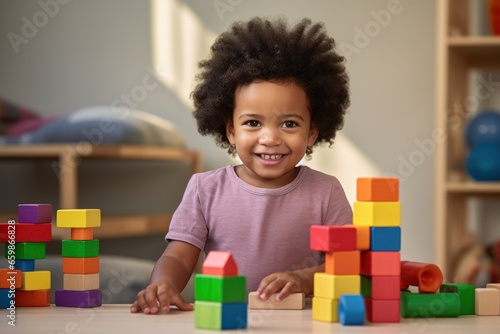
(339, 210)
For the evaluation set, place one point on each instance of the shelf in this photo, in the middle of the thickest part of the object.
(480, 51)
(474, 187)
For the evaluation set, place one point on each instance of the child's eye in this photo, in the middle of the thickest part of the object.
(253, 123)
(289, 124)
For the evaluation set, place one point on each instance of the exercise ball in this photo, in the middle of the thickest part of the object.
(483, 162)
(482, 128)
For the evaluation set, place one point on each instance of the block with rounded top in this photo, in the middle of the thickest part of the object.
(333, 238)
(426, 276)
(377, 189)
(351, 310)
(34, 213)
(219, 263)
(377, 213)
(78, 218)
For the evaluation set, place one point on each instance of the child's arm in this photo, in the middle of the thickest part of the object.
(169, 277)
(289, 282)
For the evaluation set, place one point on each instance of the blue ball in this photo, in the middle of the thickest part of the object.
(483, 162)
(483, 128)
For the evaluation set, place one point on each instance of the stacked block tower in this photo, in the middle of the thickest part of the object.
(220, 294)
(377, 218)
(337, 289)
(25, 243)
(80, 259)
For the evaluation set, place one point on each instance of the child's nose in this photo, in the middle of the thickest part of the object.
(269, 137)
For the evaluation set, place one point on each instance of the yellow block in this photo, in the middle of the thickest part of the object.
(377, 214)
(324, 309)
(36, 280)
(330, 286)
(81, 282)
(79, 218)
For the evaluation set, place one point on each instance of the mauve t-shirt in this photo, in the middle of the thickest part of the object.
(266, 230)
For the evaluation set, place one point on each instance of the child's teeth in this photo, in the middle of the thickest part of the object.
(272, 157)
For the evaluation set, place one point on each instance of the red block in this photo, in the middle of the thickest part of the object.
(32, 298)
(219, 263)
(333, 238)
(382, 310)
(428, 277)
(385, 287)
(380, 263)
(26, 232)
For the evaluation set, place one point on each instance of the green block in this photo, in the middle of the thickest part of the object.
(466, 293)
(217, 316)
(429, 305)
(80, 248)
(25, 251)
(221, 289)
(366, 286)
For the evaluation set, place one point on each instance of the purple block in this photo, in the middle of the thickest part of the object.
(34, 213)
(72, 298)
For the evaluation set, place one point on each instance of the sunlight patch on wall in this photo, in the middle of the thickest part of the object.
(180, 41)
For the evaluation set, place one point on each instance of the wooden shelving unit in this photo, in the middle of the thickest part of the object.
(458, 54)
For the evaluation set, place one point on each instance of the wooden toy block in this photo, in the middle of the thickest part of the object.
(219, 263)
(342, 263)
(80, 248)
(427, 277)
(77, 282)
(351, 310)
(36, 280)
(25, 265)
(362, 237)
(487, 301)
(27, 232)
(377, 214)
(429, 305)
(34, 298)
(385, 239)
(86, 233)
(80, 265)
(324, 309)
(26, 250)
(34, 213)
(295, 301)
(466, 293)
(377, 189)
(10, 279)
(380, 263)
(217, 316)
(87, 299)
(332, 286)
(79, 218)
(221, 289)
(333, 238)
(7, 298)
(380, 287)
(382, 310)
(494, 285)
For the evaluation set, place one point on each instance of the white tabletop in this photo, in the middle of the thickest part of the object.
(117, 319)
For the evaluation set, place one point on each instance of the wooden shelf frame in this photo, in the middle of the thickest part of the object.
(69, 156)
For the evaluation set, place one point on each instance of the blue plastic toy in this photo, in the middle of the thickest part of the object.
(483, 162)
(483, 127)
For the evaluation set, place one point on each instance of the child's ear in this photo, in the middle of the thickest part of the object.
(230, 131)
(313, 135)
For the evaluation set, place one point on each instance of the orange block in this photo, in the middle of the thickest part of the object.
(82, 233)
(33, 298)
(10, 277)
(362, 237)
(377, 189)
(80, 265)
(342, 263)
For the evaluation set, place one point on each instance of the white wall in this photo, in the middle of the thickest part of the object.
(91, 52)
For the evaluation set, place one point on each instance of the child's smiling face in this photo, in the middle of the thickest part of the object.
(271, 128)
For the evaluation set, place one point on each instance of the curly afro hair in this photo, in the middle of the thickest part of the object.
(268, 50)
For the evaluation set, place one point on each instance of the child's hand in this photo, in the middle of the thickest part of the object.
(158, 297)
(288, 282)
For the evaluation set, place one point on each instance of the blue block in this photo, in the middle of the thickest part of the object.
(234, 315)
(351, 310)
(385, 239)
(25, 265)
(6, 295)
(217, 316)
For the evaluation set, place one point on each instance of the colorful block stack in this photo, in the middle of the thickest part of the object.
(25, 242)
(80, 259)
(377, 216)
(220, 294)
(342, 272)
